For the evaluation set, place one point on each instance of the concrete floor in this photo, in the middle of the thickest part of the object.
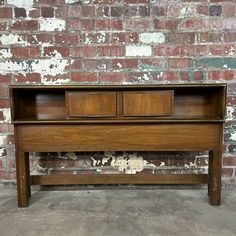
(118, 212)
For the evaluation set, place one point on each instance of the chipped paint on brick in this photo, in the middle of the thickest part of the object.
(52, 24)
(52, 66)
(187, 11)
(101, 37)
(153, 37)
(27, 4)
(12, 39)
(129, 163)
(135, 51)
(5, 53)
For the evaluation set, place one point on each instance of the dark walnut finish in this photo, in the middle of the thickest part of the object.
(118, 118)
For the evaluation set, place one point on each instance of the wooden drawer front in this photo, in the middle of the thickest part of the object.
(150, 103)
(91, 104)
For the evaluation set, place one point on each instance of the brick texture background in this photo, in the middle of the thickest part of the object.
(114, 41)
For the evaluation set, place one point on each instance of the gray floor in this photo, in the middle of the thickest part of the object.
(118, 212)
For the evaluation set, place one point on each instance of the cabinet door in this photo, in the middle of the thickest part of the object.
(148, 103)
(91, 104)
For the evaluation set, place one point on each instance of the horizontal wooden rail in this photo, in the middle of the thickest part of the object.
(119, 179)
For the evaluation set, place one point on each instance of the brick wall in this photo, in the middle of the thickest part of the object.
(113, 41)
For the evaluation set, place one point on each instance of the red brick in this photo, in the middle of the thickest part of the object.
(32, 78)
(83, 77)
(229, 161)
(118, 38)
(216, 50)
(25, 25)
(136, 1)
(154, 62)
(4, 103)
(171, 75)
(61, 11)
(229, 50)
(132, 37)
(5, 13)
(111, 51)
(194, 24)
(184, 76)
(229, 10)
(86, 51)
(47, 12)
(3, 26)
(90, 64)
(40, 38)
(138, 24)
(55, 78)
(200, 50)
(116, 24)
(166, 50)
(76, 64)
(88, 11)
(139, 76)
(111, 77)
(102, 24)
(5, 79)
(19, 12)
(179, 63)
(175, 38)
(230, 36)
(87, 24)
(120, 64)
(6, 127)
(228, 75)
(165, 24)
(34, 13)
(53, 51)
(203, 9)
(4, 91)
(65, 39)
(214, 75)
(26, 52)
(198, 75)
(74, 11)
(187, 50)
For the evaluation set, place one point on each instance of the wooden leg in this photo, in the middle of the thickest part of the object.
(22, 178)
(215, 177)
(209, 172)
(28, 173)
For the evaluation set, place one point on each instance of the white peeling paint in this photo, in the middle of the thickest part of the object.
(233, 136)
(6, 115)
(119, 65)
(12, 39)
(54, 82)
(1, 152)
(230, 111)
(5, 53)
(133, 51)
(187, 11)
(154, 37)
(71, 1)
(52, 24)
(52, 66)
(2, 140)
(127, 163)
(162, 163)
(101, 37)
